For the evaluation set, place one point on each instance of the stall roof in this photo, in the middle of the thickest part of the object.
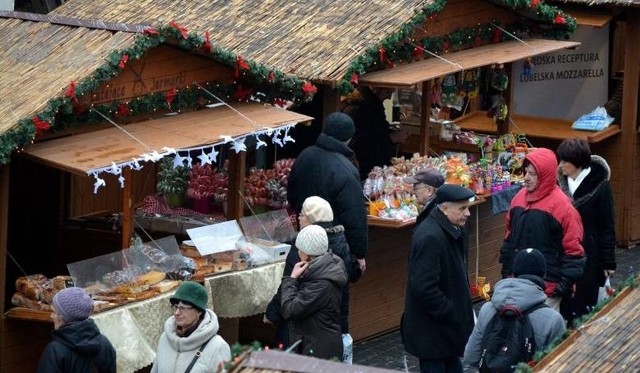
(417, 72)
(601, 2)
(590, 18)
(99, 149)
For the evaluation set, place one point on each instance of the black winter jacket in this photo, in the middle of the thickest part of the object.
(594, 201)
(337, 245)
(324, 170)
(438, 315)
(78, 347)
(311, 304)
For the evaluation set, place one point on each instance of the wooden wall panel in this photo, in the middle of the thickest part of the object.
(22, 344)
(460, 14)
(377, 300)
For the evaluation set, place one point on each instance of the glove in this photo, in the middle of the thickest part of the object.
(563, 288)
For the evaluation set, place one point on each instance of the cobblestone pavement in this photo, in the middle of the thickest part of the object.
(387, 351)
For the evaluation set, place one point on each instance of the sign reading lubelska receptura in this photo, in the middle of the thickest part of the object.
(564, 84)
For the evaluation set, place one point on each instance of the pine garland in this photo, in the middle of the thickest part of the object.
(253, 81)
(399, 47)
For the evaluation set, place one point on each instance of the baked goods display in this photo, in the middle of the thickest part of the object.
(206, 265)
(36, 291)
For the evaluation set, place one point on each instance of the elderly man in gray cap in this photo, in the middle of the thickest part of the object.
(425, 184)
(438, 314)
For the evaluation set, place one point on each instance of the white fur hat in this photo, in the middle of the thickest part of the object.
(317, 209)
(312, 240)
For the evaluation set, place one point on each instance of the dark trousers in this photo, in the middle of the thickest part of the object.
(448, 365)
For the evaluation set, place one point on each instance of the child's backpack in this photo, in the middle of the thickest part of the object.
(508, 340)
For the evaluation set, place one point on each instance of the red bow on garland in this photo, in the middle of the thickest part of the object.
(354, 79)
(241, 64)
(308, 88)
(71, 92)
(382, 55)
(446, 44)
(123, 61)
(207, 42)
(170, 96)
(123, 110)
(560, 20)
(272, 77)
(416, 53)
(534, 4)
(183, 30)
(242, 94)
(41, 125)
(497, 35)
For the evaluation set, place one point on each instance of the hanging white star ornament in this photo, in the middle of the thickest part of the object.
(121, 180)
(213, 156)
(204, 159)
(99, 182)
(114, 169)
(286, 137)
(226, 138)
(260, 143)
(155, 156)
(135, 165)
(178, 161)
(189, 160)
(239, 145)
(277, 140)
(147, 157)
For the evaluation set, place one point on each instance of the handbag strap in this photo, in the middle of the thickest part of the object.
(195, 358)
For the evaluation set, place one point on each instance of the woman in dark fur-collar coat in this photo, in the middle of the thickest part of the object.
(585, 179)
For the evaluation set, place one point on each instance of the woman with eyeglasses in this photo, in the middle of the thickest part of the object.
(190, 341)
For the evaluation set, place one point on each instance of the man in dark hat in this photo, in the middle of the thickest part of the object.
(438, 314)
(425, 184)
(325, 170)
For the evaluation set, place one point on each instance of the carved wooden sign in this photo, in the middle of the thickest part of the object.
(160, 70)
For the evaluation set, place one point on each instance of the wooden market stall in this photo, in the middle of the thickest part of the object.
(439, 37)
(86, 117)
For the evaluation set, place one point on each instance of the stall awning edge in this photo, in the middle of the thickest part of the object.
(506, 52)
(100, 149)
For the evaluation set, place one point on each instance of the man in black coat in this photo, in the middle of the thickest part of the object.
(325, 170)
(438, 314)
(425, 184)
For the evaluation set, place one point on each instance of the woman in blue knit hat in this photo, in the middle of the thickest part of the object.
(77, 344)
(190, 341)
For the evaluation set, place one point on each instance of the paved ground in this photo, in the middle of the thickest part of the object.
(388, 352)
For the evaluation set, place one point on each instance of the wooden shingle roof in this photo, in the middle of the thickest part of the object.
(602, 2)
(316, 39)
(39, 59)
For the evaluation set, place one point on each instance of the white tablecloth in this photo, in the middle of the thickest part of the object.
(244, 293)
(134, 329)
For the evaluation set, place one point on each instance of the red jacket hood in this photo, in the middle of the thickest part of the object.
(546, 164)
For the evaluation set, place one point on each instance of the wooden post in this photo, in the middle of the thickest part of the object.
(127, 212)
(425, 122)
(4, 223)
(330, 102)
(235, 194)
(629, 120)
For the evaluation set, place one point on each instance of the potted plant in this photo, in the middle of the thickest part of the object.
(172, 182)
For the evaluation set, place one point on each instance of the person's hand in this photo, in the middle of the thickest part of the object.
(561, 290)
(609, 272)
(298, 269)
(362, 264)
(266, 320)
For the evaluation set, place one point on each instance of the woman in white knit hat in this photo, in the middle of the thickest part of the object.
(316, 210)
(312, 294)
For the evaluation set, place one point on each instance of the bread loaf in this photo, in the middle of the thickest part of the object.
(151, 278)
(31, 286)
(20, 300)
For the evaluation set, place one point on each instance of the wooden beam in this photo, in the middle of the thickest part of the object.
(4, 223)
(629, 119)
(235, 201)
(127, 210)
(425, 111)
(330, 102)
